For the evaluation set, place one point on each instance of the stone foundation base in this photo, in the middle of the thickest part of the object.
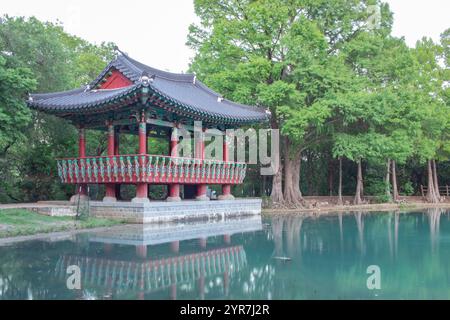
(109, 199)
(173, 199)
(226, 197)
(140, 200)
(162, 211)
(74, 198)
(202, 198)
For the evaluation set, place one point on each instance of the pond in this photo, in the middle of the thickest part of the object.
(355, 255)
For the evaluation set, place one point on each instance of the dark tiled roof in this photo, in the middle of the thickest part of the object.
(76, 100)
(184, 92)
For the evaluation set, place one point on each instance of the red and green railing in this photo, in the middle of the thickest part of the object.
(149, 169)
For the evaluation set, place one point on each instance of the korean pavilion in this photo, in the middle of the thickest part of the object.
(129, 97)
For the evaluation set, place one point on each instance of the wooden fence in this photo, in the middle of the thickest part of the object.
(443, 190)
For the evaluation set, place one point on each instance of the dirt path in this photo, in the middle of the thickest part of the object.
(333, 209)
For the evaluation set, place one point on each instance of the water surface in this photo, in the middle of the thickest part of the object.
(287, 257)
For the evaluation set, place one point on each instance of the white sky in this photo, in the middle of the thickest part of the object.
(155, 31)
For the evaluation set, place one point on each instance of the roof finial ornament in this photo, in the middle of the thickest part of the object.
(145, 79)
(116, 48)
(195, 78)
(219, 99)
(87, 87)
(30, 98)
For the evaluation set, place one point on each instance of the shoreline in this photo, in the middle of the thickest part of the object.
(316, 212)
(54, 236)
(332, 210)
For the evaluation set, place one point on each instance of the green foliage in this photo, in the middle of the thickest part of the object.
(332, 84)
(39, 56)
(14, 114)
(25, 222)
(407, 189)
(335, 88)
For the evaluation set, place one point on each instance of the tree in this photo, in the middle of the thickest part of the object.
(275, 54)
(55, 61)
(15, 82)
(431, 92)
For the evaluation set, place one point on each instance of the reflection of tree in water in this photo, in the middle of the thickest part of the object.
(393, 235)
(434, 218)
(293, 229)
(360, 225)
(341, 231)
(277, 232)
(290, 228)
(26, 271)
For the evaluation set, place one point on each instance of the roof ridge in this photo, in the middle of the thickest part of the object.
(57, 94)
(183, 77)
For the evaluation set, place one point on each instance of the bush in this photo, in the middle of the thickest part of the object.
(407, 189)
(383, 198)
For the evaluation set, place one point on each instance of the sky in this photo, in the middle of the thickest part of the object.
(155, 31)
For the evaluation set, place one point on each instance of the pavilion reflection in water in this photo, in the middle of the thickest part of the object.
(205, 267)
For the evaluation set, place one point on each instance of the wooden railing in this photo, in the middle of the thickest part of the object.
(149, 169)
(443, 190)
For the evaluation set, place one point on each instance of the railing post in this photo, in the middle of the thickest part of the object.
(117, 153)
(110, 187)
(142, 187)
(174, 188)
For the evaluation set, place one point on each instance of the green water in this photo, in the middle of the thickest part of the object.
(280, 258)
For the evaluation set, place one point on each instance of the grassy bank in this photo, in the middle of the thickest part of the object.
(20, 222)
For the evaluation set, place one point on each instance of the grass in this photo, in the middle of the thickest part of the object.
(20, 222)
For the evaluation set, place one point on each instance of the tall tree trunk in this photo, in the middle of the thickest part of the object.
(387, 179)
(330, 176)
(309, 173)
(394, 181)
(359, 185)
(431, 194)
(340, 202)
(297, 171)
(435, 181)
(276, 194)
(291, 176)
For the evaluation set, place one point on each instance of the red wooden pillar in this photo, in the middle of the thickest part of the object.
(202, 242)
(81, 188)
(226, 281)
(201, 286)
(108, 248)
(142, 188)
(117, 152)
(200, 154)
(175, 246)
(116, 143)
(173, 291)
(110, 187)
(226, 188)
(141, 251)
(82, 143)
(174, 188)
